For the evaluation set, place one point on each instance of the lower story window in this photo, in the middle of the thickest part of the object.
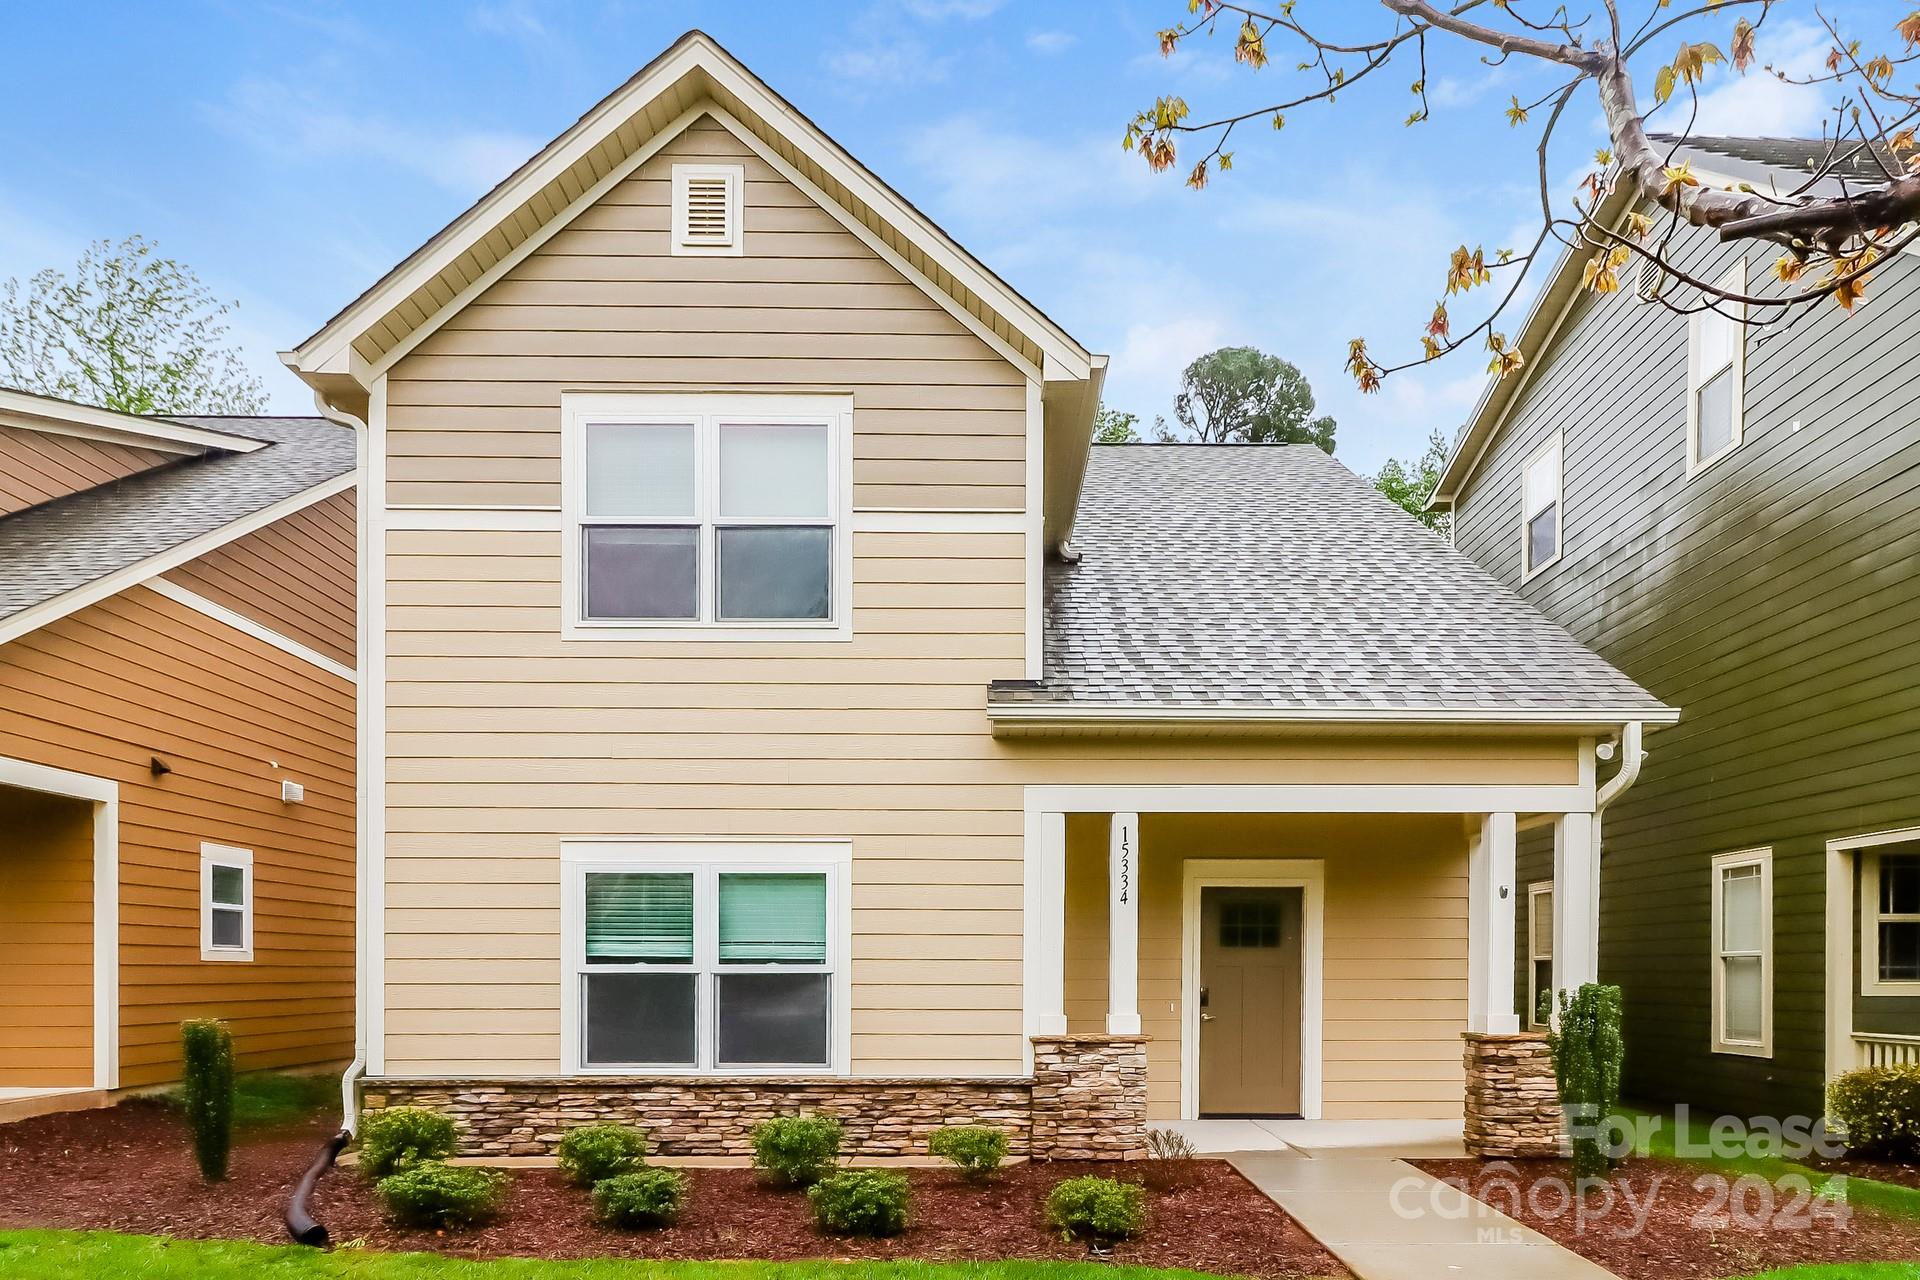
(730, 963)
(1743, 953)
(1540, 953)
(1890, 923)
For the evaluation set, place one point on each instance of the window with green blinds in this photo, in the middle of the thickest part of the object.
(773, 918)
(639, 918)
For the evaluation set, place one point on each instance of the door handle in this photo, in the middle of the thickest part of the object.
(1206, 1017)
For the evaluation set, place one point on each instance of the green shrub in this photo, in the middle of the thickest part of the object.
(975, 1151)
(206, 1091)
(642, 1198)
(860, 1202)
(429, 1193)
(1096, 1209)
(1587, 1054)
(393, 1140)
(796, 1151)
(1878, 1108)
(591, 1155)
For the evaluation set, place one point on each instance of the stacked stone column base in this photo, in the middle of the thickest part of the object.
(1089, 1097)
(1513, 1103)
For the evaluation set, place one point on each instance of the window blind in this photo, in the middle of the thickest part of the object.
(638, 917)
(773, 918)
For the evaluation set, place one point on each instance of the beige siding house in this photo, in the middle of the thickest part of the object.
(773, 701)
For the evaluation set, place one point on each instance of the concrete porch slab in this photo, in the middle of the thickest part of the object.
(1402, 1139)
(1217, 1137)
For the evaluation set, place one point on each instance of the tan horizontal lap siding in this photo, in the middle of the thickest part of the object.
(474, 413)
(1394, 947)
(39, 466)
(294, 577)
(139, 677)
(46, 940)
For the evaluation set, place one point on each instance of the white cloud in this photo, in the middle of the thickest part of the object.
(899, 61)
(941, 10)
(1051, 42)
(1760, 104)
(275, 119)
(1186, 64)
(990, 174)
(513, 18)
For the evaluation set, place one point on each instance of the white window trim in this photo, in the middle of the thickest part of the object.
(735, 244)
(1734, 281)
(709, 409)
(222, 855)
(706, 860)
(1762, 1048)
(1557, 447)
(1537, 890)
(1871, 984)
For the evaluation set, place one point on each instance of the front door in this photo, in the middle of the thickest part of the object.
(1250, 1001)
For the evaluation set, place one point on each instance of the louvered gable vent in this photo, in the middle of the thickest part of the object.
(706, 209)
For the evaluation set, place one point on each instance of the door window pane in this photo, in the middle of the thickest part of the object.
(1900, 886)
(229, 928)
(775, 572)
(773, 1019)
(1543, 537)
(1715, 417)
(639, 918)
(773, 919)
(1741, 925)
(230, 886)
(641, 572)
(1741, 998)
(773, 470)
(635, 470)
(640, 1019)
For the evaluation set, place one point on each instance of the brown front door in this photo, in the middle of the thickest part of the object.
(1250, 1001)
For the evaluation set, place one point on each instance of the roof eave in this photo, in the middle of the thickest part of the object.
(1012, 717)
(34, 412)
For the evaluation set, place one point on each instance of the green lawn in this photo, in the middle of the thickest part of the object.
(99, 1255)
(1846, 1271)
(271, 1099)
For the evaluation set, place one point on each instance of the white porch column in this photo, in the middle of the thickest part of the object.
(1491, 902)
(1576, 904)
(1048, 978)
(1123, 926)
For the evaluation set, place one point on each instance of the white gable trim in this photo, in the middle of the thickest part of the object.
(30, 412)
(242, 623)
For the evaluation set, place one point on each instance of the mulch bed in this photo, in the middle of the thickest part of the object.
(127, 1168)
(1904, 1172)
(1674, 1221)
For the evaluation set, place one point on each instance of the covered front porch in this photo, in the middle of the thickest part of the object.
(1298, 951)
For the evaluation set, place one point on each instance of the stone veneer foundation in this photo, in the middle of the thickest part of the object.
(1085, 1101)
(1513, 1102)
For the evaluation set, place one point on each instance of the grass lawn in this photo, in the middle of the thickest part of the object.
(96, 1255)
(273, 1099)
(1846, 1271)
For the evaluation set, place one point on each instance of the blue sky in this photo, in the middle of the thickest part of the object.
(293, 152)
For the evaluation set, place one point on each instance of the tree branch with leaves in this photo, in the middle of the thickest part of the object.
(1830, 230)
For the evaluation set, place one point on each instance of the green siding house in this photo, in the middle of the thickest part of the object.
(1731, 516)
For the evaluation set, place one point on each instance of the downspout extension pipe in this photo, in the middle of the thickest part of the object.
(299, 1219)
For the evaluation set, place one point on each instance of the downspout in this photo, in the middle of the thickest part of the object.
(299, 1219)
(1631, 754)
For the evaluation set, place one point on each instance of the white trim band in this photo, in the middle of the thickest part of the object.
(240, 622)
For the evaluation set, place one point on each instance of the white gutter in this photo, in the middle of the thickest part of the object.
(1631, 756)
(1069, 713)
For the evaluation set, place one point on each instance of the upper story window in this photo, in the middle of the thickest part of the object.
(707, 516)
(1540, 509)
(706, 210)
(1716, 372)
(1743, 953)
(1890, 923)
(226, 903)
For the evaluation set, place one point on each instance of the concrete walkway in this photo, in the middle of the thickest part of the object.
(1386, 1220)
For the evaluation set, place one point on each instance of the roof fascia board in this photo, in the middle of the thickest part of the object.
(62, 417)
(1467, 716)
(48, 611)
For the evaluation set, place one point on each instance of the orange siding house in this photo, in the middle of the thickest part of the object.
(177, 712)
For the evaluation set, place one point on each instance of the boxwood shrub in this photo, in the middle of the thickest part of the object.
(430, 1193)
(974, 1150)
(861, 1202)
(796, 1151)
(591, 1155)
(392, 1140)
(1878, 1108)
(642, 1198)
(1097, 1209)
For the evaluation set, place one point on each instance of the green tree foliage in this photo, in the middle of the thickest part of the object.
(128, 330)
(1242, 395)
(1113, 426)
(1411, 483)
(206, 1092)
(1587, 1054)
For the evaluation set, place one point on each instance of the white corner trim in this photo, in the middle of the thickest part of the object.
(1035, 496)
(371, 787)
(1305, 874)
(240, 622)
(104, 795)
(39, 615)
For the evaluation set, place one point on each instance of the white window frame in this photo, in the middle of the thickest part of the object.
(1722, 863)
(1557, 448)
(1537, 890)
(1871, 983)
(735, 244)
(1734, 281)
(223, 855)
(708, 412)
(706, 861)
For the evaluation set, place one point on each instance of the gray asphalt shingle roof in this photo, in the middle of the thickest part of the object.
(49, 550)
(1270, 576)
(1852, 159)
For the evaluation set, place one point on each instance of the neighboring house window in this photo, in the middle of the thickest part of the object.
(711, 517)
(1890, 923)
(706, 209)
(1540, 508)
(226, 903)
(709, 957)
(1716, 372)
(1743, 953)
(1540, 953)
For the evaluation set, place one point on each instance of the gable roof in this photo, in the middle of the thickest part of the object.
(1779, 166)
(65, 554)
(1270, 582)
